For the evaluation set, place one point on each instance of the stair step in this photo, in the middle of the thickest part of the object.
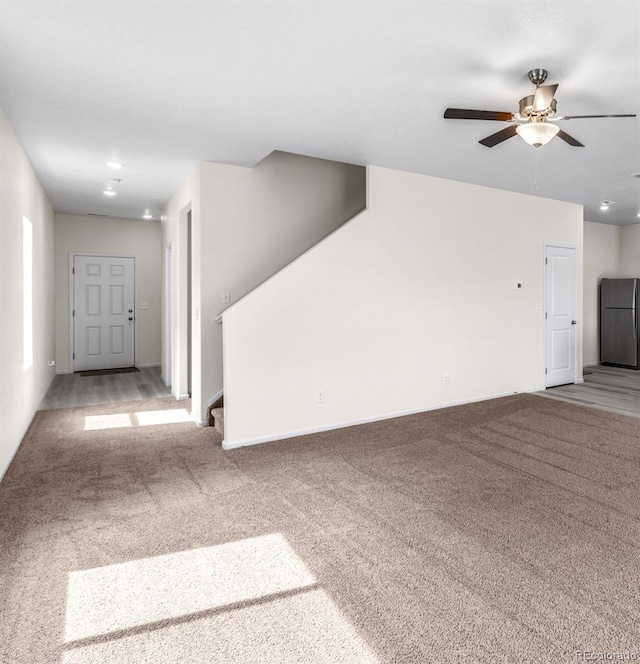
(218, 420)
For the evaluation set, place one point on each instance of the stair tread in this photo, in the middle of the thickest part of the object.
(218, 419)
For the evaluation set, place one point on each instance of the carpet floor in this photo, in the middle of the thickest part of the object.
(502, 531)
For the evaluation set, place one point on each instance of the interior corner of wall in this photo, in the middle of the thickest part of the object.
(367, 187)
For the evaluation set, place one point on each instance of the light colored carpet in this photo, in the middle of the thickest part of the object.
(504, 531)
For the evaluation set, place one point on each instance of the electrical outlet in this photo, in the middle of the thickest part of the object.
(446, 379)
(225, 297)
(144, 305)
(321, 396)
(517, 285)
(52, 363)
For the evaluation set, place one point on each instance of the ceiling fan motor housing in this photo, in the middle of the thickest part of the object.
(527, 109)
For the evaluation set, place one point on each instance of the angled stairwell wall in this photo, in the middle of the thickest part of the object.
(247, 224)
(367, 323)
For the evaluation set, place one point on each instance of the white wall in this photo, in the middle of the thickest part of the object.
(630, 251)
(601, 259)
(419, 285)
(247, 224)
(22, 387)
(97, 235)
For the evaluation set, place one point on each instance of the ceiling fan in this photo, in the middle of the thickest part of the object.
(532, 121)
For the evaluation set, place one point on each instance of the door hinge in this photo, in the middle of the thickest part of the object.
(545, 372)
(546, 261)
(74, 356)
(546, 315)
(74, 313)
(73, 270)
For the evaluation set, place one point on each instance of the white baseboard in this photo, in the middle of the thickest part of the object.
(60, 372)
(182, 397)
(590, 364)
(231, 445)
(24, 433)
(148, 365)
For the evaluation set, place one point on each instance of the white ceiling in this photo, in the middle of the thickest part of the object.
(159, 85)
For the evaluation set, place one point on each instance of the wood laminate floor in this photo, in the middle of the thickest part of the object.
(607, 388)
(69, 390)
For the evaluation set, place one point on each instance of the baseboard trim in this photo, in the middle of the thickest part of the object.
(148, 365)
(24, 433)
(232, 445)
(590, 364)
(182, 397)
(60, 372)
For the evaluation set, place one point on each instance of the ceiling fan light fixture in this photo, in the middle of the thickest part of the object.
(537, 133)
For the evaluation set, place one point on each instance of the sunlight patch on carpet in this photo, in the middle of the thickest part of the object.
(140, 592)
(168, 416)
(114, 421)
(306, 627)
(140, 419)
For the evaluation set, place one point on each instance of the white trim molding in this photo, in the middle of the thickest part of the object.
(367, 420)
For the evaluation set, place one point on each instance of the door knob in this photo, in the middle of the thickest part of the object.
(130, 311)
(130, 317)
(574, 322)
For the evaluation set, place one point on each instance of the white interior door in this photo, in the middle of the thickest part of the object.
(560, 315)
(103, 312)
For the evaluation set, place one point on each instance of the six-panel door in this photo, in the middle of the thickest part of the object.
(104, 321)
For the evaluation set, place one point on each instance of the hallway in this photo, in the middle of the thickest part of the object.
(70, 390)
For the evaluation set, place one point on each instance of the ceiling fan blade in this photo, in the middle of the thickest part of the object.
(466, 114)
(498, 137)
(579, 117)
(543, 97)
(569, 139)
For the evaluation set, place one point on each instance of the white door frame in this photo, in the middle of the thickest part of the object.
(576, 373)
(180, 276)
(72, 255)
(168, 314)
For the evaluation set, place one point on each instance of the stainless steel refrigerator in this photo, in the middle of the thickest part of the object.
(619, 338)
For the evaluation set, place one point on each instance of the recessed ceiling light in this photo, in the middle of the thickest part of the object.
(114, 164)
(110, 192)
(147, 215)
(638, 215)
(603, 207)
